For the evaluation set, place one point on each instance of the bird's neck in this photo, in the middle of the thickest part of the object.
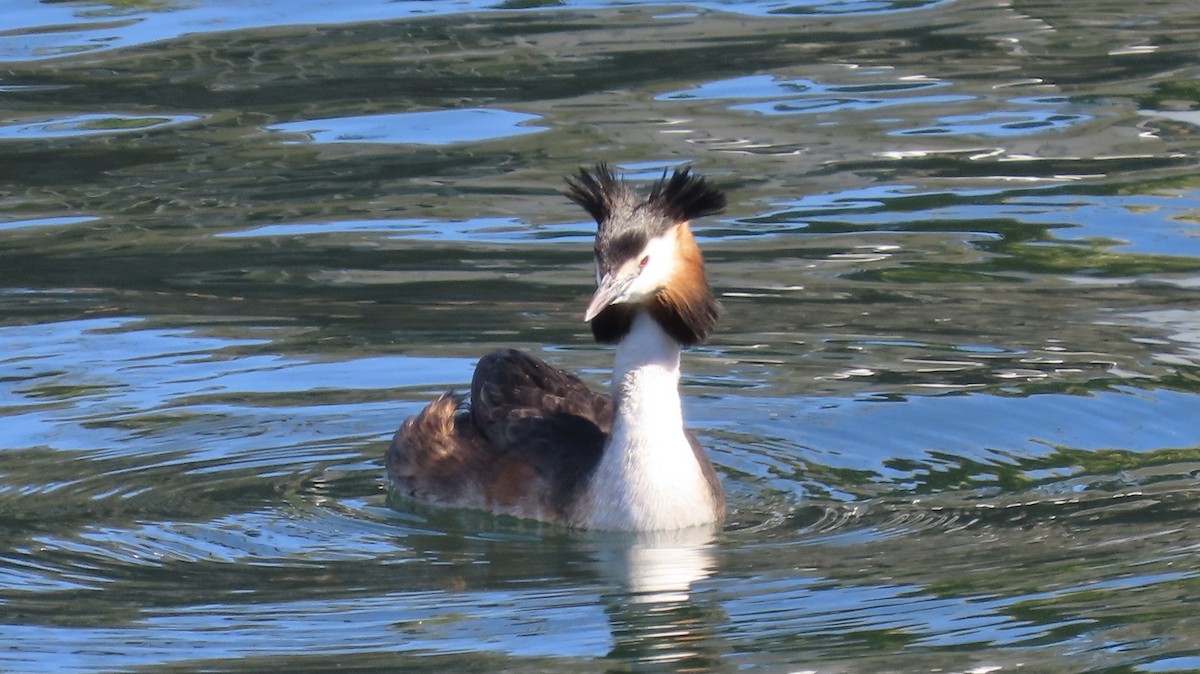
(649, 476)
(645, 379)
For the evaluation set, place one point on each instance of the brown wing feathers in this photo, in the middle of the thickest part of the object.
(509, 384)
(434, 453)
(527, 422)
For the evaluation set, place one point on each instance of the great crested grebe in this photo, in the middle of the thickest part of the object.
(536, 442)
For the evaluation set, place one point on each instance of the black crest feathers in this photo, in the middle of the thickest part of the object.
(596, 192)
(685, 196)
(680, 198)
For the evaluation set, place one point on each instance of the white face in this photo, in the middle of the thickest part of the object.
(647, 271)
(653, 266)
(640, 277)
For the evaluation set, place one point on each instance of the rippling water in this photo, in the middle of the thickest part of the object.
(954, 397)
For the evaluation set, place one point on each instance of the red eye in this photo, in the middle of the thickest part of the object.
(643, 262)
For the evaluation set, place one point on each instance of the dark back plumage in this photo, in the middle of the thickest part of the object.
(530, 437)
(525, 407)
(625, 223)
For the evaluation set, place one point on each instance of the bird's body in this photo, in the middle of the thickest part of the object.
(536, 442)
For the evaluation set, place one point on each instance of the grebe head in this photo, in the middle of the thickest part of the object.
(646, 256)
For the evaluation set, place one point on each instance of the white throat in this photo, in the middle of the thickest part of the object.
(645, 379)
(648, 477)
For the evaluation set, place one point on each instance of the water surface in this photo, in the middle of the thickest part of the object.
(954, 396)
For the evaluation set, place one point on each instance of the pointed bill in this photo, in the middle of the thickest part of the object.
(612, 289)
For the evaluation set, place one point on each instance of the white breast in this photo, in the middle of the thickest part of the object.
(648, 477)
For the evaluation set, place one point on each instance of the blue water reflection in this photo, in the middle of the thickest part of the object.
(439, 127)
(799, 95)
(88, 125)
(1166, 224)
(482, 230)
(999, 123)
(63, 221)
(91, 27)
